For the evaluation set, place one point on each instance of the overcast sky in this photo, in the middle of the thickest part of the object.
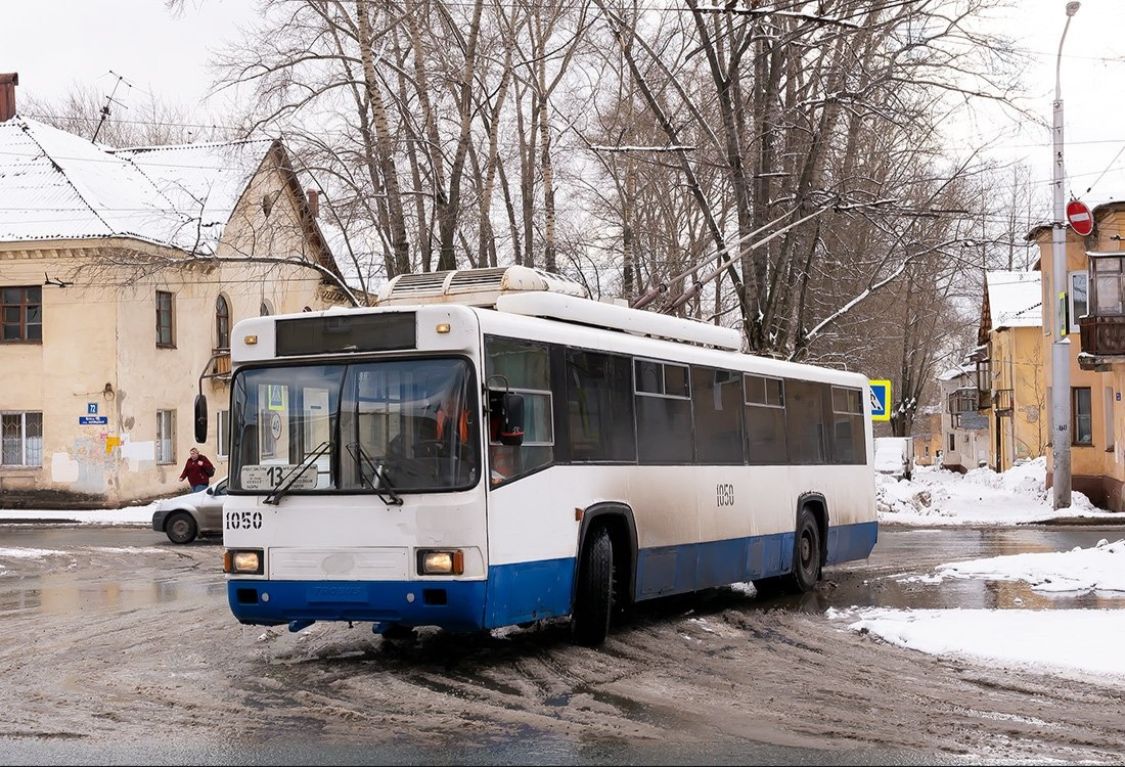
(56, 43)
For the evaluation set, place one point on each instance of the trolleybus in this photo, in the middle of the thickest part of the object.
(489, 447)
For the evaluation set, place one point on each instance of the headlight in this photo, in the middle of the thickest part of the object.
(246, 561)
(445, 562)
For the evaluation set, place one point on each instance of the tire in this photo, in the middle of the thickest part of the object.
(806, 555)
(181, 528)
(593, 593)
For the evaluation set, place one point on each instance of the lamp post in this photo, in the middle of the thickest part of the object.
(1060, 348)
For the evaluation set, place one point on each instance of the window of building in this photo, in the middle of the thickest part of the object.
(165, 320)
(1082, 425)
(165, 436)
(222, 323)
(717, 408)
(952, 442)
(222, 421)
(1079, 303)
(663, 412)
(1108, 287)
(599, 407)
(21, 439)
(765, 420)
(848, 444)
(21, 314)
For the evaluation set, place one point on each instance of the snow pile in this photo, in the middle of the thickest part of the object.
(132, 516)
(1100, 568)
(981, 497)
(1078, 640)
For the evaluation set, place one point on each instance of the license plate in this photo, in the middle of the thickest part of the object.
(269, 477)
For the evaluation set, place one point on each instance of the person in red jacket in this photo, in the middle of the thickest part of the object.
(197, 471)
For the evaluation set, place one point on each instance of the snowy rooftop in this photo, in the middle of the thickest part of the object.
(1014, 299)
(55, 185)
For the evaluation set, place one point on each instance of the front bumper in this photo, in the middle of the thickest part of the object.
(158, 518)
(448, 604)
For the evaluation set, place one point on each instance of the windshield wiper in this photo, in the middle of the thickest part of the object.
(377, 472)
(298, 471)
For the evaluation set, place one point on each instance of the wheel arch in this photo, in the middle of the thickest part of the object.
(618, 518)
(817, 505)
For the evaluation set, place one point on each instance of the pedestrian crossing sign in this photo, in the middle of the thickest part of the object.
(880, 400)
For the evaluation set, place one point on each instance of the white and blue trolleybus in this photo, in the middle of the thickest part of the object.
(490, 447)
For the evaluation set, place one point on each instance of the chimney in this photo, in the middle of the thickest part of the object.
(8, 83)
(314, 202)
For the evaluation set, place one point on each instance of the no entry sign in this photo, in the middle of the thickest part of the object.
(1079, 217)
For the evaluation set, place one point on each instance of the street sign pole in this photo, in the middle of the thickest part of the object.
(1060, 348)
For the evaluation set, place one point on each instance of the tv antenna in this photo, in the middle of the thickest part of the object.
(111, 100)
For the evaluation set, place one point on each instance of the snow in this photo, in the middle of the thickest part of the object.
(134, 516)
(55, 185)
(1072, 640)
(1078, 640)
(936, 497)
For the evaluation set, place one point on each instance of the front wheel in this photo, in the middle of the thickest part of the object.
(181, 528)
(806, 555)
(593, 593)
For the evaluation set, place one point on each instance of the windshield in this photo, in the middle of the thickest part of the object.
(375, 427)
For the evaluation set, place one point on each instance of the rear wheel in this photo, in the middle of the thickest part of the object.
(181, 528)
(593, 594)
(806, 554)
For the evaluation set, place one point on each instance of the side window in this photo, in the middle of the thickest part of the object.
(523, 367)
(766, 442)
(222, 418)
(663, 402)
(716, 405)
(848, 444)
(599, 407)
(805, 421)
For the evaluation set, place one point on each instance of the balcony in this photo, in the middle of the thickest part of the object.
(963, 400)
(1102, 336)
(218, 367)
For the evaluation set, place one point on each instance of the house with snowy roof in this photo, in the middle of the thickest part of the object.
(122, 273)
(1012, 387)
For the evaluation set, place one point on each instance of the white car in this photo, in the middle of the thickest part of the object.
(895, 456)
(186, 517)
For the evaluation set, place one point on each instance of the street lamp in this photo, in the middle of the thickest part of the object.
(1060, 348)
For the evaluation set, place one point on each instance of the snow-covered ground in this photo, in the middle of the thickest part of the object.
(133, 516)
(1054, 639)
(1073, 639)
(939, 498)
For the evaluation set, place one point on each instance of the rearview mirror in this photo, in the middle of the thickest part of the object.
(200, 419)
(511, 419)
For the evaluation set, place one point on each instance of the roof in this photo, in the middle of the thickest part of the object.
(957, 372)
(1015, 299)
(56, 185)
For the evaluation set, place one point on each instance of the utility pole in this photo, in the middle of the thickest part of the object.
(1060, 348)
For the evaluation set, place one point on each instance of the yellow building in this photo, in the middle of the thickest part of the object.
(1010, 359)
(121, 275)
(1096, 466)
